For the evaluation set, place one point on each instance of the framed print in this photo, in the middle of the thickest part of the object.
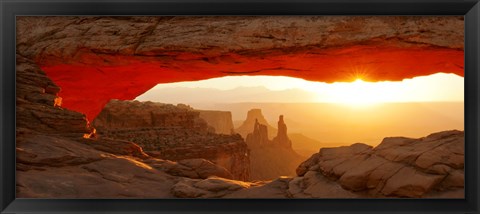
(312, 106)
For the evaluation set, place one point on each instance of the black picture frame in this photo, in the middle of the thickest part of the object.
(9, 9)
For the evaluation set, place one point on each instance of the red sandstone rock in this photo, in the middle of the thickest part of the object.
(38, 107)
(254, 116)
(259, 136)
(124, 57)
(59, 164)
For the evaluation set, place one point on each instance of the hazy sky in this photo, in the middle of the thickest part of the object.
(436, 87)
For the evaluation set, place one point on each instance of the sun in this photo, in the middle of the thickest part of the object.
(358, 93)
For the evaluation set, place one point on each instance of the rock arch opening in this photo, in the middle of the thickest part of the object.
(95, 59)
(88, 61)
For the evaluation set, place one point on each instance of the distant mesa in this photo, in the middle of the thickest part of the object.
(253, 116)
(221, 121)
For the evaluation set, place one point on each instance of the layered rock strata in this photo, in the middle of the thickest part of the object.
(173, 133)
(38, 106)
(58, 155)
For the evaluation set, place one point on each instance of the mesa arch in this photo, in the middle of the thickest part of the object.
(95, 59)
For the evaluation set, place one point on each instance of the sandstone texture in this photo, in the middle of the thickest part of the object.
(125, 56)
(38, 105)
(173, 132)
(398, 167)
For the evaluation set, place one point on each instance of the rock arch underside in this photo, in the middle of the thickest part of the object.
(70, 69)
(95, 59)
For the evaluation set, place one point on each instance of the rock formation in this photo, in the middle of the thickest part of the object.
(398, 167)
(259, 136)
(270, 159)
(125, 56)
(173, 133)
(221, 121)
(282, 139)
(254, 116)
(59, 164)
(118, 115)
(60, 156)
(38, 106)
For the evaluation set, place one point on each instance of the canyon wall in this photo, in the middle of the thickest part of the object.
(38, 106)
(173, 133)
(221, 121)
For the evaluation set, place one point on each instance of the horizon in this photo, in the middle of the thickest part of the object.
(439, 87)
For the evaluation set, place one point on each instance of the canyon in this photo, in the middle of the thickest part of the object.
(174, 133)
(77, 137)
(178, 132)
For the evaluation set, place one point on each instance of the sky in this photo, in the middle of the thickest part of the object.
(439, 87)
(342, 113)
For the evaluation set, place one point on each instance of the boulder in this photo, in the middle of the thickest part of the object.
(398, 167)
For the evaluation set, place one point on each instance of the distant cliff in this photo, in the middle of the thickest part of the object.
(252, 116)
(271, 158)
(174, 133)
(221, 121)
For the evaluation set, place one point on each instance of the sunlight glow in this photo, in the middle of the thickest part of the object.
(439, 87)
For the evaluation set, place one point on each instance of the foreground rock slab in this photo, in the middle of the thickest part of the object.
(398, 167)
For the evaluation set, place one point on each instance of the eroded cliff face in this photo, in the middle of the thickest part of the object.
(38, 106)
(221, 121)
(173, 133)
(126, 56)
